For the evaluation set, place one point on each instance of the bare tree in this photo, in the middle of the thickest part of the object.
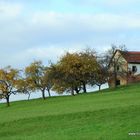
(114, 62)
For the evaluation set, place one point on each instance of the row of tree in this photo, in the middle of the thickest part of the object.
(72, 73)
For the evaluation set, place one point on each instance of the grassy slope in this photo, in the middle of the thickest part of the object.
(107, 116)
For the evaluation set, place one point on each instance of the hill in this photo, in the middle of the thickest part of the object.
(107, 115)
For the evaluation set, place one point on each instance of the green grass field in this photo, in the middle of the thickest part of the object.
(106, 115)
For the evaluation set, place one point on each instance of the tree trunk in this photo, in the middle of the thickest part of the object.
(72, 92)
(43, 94)
(49, 92)
(29, 96)
(99, 87)
(84, 88)
(7, 101)
(77, 90)
(115, 75)
(115, 79)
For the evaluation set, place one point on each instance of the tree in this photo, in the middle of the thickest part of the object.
(74, 71)
(25, 85)
(88, 68)
(37, 73)
(64, 74)
(47, 80)
(8, 82)
(101, 77)
(115, 63)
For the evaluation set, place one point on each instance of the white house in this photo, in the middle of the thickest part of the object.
(127, 68)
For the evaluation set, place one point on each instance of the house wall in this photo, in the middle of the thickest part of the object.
(123, 75)
(123, 81)
(138, 68)
(121, 61)
(123, 68)
(134, 77)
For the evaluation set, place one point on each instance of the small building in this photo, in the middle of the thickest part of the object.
(124, 68)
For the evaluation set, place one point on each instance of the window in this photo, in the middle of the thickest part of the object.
(118, 68)
(118, 82)
(134, 69)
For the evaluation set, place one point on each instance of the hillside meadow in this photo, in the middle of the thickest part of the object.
(106, 115)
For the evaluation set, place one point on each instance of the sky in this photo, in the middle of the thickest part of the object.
(46, 29)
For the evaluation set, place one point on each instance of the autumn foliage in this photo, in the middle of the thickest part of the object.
(72, 73)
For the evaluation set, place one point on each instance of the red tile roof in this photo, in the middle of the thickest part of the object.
(131, 56)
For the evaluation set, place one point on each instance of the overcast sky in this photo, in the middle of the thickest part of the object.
(45, 29)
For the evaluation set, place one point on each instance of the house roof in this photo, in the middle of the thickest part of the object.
(131, 56)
